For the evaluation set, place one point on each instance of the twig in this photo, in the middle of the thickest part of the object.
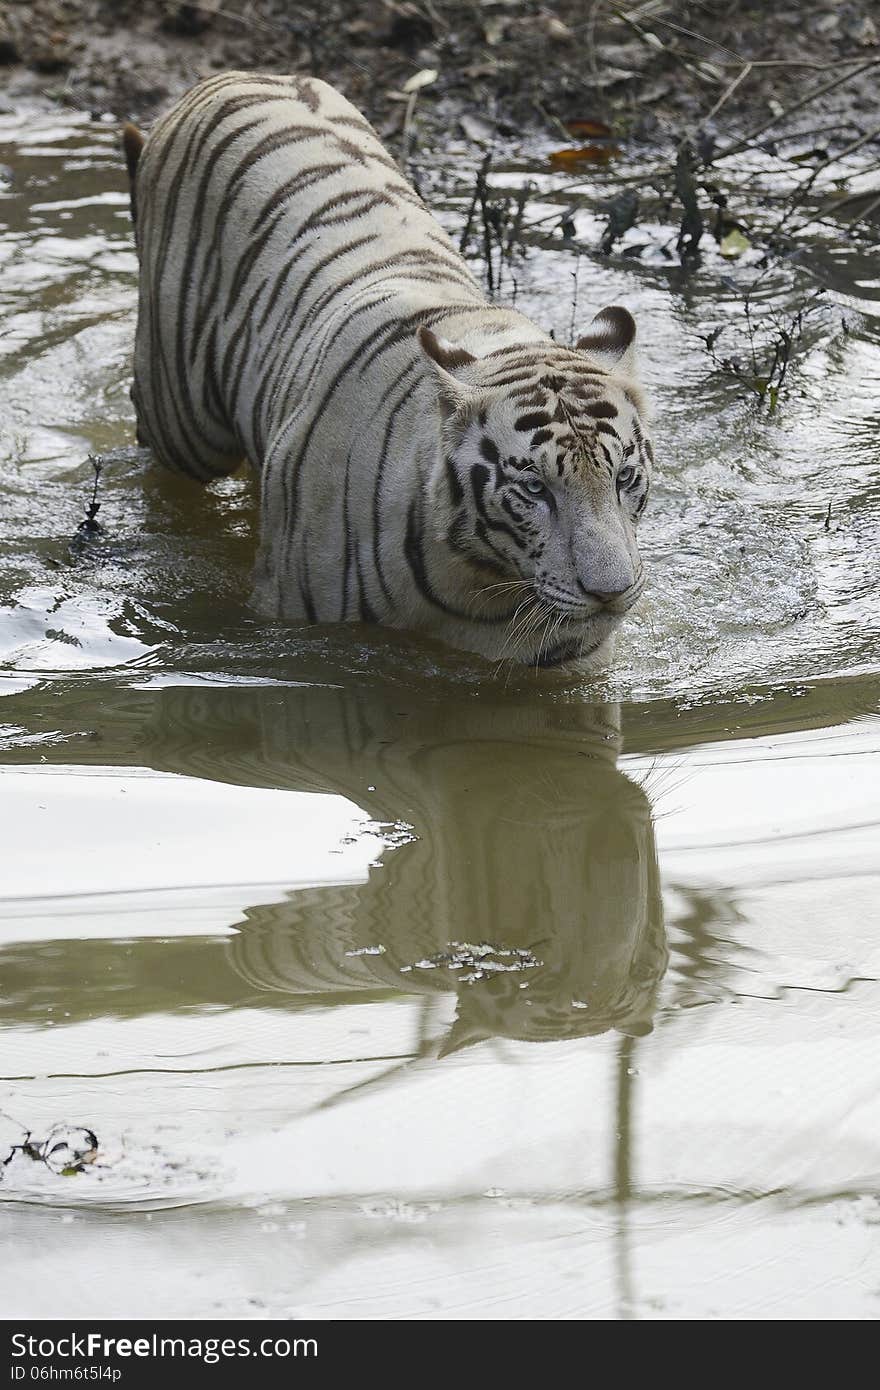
(819, 130)
(435, 15)
(514, 234)
(551, 119)
(701, 38)
(487, 234)
(90, 527)
(728, 92)
(803, 189)
(590, 26)
(747, 306)
(574, 301)
(469, 220)
(752, 136)
(772, 355)
(248, 19)
(623, 211)
(658, 45)
(787, 63)
(834, 205)
(691, 229)
(864, 214)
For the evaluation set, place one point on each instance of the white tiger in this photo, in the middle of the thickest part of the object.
(427, 460)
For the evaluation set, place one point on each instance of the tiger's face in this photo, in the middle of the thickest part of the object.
(546, 473)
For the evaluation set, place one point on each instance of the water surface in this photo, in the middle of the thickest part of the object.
(394, 986)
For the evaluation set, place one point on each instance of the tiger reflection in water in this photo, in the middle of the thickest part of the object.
(529, 884)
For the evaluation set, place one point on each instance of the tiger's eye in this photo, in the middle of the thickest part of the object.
(533, 486)
(626, 475)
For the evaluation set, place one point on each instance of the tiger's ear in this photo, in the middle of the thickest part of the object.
(611, 340)
(446, 361)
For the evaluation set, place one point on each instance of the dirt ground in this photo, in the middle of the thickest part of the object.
(501, 65)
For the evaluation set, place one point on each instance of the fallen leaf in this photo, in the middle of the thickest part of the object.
(476, 129)
(609, 77)
(653, 91)
(421, 79)
(585, 154)
(555, 28)
(494, 29)
(593, 129)
(734, 244)
(806, 156)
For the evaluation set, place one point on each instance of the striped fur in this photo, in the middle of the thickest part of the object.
(427, 460)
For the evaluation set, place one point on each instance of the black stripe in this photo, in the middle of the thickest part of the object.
(377, 485)
(350, 541)
(415, 556)
(479, 478)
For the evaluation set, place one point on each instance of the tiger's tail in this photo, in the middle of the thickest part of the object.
(132, 144)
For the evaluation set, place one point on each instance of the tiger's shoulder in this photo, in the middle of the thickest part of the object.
(232, 91)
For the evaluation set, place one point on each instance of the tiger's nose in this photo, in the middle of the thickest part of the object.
(606, 596)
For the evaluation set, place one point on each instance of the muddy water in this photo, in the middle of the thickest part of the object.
(393, 987)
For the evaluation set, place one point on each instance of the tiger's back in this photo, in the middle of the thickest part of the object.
(259, 199)
(286, 269)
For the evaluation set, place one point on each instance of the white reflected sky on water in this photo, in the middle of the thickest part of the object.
(78, 833)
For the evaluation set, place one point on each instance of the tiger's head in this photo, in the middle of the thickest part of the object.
(546, 466)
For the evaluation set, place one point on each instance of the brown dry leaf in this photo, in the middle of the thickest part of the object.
(585, 154)
(590, 128)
